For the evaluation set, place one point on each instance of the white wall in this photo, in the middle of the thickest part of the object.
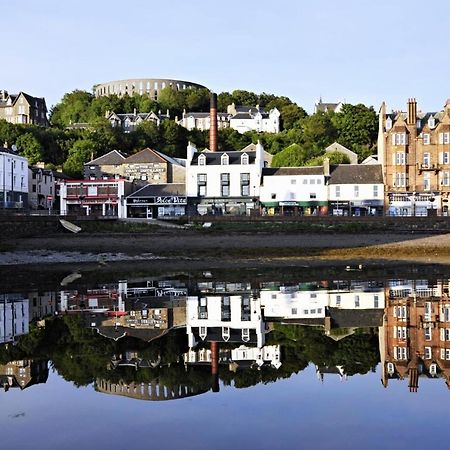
(14, 319)
(347, 192)
(13, 173)
(293, 188)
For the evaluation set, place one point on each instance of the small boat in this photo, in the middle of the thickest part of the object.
(69, 226)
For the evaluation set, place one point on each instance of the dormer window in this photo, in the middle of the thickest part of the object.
(202, 160)
(431, 122)
(388, 123)
(244, 159)
(224, 160)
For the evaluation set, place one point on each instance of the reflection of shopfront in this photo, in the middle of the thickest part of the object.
(152, 201)
(292, 208)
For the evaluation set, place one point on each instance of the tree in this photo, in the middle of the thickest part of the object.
(197, 99)
(74, 108)
(79, 154)
(30, 148)
(223, 100)
(292, 156)
(357, 127)
(318, 131)
(172, 100)
(241, 97)
(334, 157)
(291, 115)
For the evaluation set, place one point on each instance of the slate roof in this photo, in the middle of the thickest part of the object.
(307, 170)
(347, 318)
(251, 109)
(215, 334)
(214, 158)
(147, 155)
(356, 174)
(160, 190)
(114, 157)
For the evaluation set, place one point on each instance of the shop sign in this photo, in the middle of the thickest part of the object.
(288, 203)
(170, 200)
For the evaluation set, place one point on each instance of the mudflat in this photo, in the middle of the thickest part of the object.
(176, 244)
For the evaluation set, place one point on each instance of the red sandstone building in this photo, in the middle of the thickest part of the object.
(414, 149)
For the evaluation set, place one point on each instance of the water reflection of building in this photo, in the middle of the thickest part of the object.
(224, 318)
(23, 373)
(239, 357)
(14, 317)
(415, 336)
(42, 304)
(154, 390)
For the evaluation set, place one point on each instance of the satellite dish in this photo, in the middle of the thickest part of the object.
(14, 148)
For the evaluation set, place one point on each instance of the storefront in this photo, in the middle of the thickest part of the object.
(157, 201)
(292, 208)
(415, 204)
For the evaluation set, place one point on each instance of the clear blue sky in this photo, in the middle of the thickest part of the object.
(353, 50)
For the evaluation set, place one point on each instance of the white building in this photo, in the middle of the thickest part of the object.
(42, 185)
(223, 182)
(13, 180)
(202, 120)
(238, 117)
(94, 197)
(294, 190)
(356, 190)
(233, 318)
(14, 317)
(130, 121)
(245, 119)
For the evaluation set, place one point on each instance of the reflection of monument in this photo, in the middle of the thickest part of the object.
(415, 336)
(14, 317)
(23, 373)
(153, 390)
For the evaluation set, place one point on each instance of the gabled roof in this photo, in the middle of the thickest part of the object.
(161, 190)
(114, 157)
(356, 174)
(215, 158)
(147, 155)
(306, 170)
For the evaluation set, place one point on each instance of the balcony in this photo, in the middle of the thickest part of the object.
(422, 167)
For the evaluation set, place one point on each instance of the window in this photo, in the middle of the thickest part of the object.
(201, 184)
(337, 191)
(445, 158)
(305, 181)
(357, 301)
(444, 138)
(375, 191)
(224, 184)
(426, 159)
(399, 139)
(401, 332)
(426, 139)
(338, 300)
(445, 353)
(445, 334)
(388, 123)
(375, 301)
(400, 179)
(428, 353)
(293, 181)
(224, 160)
(319, 181)
(245, 184)
(312, 181)
(202, 160)
(400, 158)
(244, 159)
(400, 353)
(294, 311)
(445, 178)
(401, 312)
(428, 333)
(356, 191)
(426, 181)
(431, 122)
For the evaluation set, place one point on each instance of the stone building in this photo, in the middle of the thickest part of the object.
(42, 184)
(415, 337)
(414, 149)
(105, 166)
(23, 108)
(142, 86)
(130, 121)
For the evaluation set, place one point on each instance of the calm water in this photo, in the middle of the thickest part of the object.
(352, 360)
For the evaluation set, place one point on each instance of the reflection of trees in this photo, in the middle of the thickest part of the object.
(81, 355)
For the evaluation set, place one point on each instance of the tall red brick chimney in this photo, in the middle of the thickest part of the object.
(213, 145)
(214, 346)
(412, 111)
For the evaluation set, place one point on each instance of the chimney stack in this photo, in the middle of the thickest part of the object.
(213, 145)
(412, 111)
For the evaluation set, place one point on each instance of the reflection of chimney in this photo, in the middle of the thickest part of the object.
(412, 111)
(213, 124)
(214, 346)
